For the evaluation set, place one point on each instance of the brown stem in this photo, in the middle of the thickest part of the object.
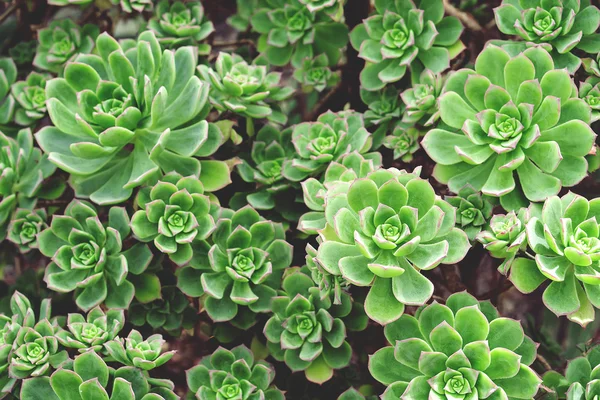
(544, 362)
(321, 105)
(8, 11)
(236, 43)
(464, 17)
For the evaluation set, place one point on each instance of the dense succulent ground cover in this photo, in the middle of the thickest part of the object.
(299, 199)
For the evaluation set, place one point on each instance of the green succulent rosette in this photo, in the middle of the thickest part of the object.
(461, 350)
(23, 52)
(36, 351)
(245, 89)
(270, 149)
(8, 76)
(171, 313)
(473, 210)
(565, 241)
(327, 140)
(179, 24)
(128, 115)
(173, 213)
(233, 374)
(402, 35)
(421, 99)
(246, 262)
(505, 236)
(590, 93)
(404, 142)
(21, 316)
(291, 32)
(306, 331)
(88, 377)
(381, 231)
(23, 171)
(384, 110)
(130, 6)
(561, 26)
(92, 331)
(511, 117)
(135, 351)
(25, 226)
(315, 74)
(61, 42)
(337, 177)
(30, 95)
(88, 257)
(581, 380)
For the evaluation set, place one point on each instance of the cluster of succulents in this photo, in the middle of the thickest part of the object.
(308, 193)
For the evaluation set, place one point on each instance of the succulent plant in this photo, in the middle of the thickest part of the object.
(385, 109)
(591, 95)
(36, 351)
(505, 236)
(402, 35)
(244, 11)
(90, 378)
(565, 240)
(291, 32)
(23, 52)
(461, 350)
(233, 374)
(581, 381)
(305, 331)
(21, 315)
(88, 257)
(8, 76)
(135, 351)
(327, 140)
(25, 226)
(139, 6)
(315, 74)
(181, 24)
(91, 332)
(246, 263)
(592, 67)
(270, 149)
(330, 286)
(381, 231)
(422, 99)
(30, 95)
(23, 171)
(172, 312)
(473, 210)
(351, 394)
(338, 174)
(127, 130)
(511, 123)
(404, 141)
(172, 214)
(560, 26)
(245, 89)
(61, 41)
